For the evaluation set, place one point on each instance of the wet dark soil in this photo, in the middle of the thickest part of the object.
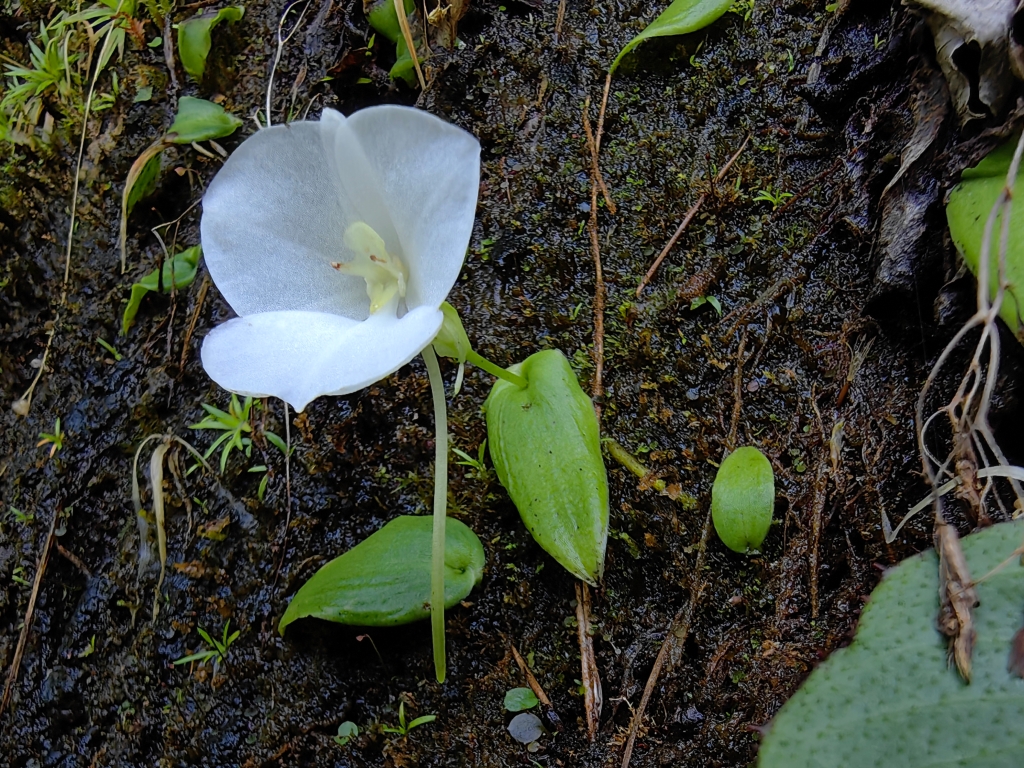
(97, 685)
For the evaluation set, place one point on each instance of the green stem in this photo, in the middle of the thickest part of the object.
(440, 510)
(485, 364)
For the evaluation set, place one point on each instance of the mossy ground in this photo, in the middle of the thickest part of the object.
(799, 274)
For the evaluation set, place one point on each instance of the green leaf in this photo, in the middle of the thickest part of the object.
(199, 120)
(967, 212)
(194, 38)
(145, 183)
(680, 18)
(519, 699)
(545, 444)
(891, 697)
(382, 17)
(178, 271)
(743, 498)
(385, 580)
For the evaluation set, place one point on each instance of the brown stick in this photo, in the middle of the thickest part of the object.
(192, 322)
(676, 639)
(530, 679)
(558, 22)
(44, 558)
(595, 169)
(694, 209)
(597, 390)
(593, 697)
(737, 393)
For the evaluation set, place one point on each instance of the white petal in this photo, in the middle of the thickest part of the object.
(275, 214)
(429, 174)
(298, 356)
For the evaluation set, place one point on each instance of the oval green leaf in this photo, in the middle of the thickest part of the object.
(968, 210)
(385, 580)
(200, 120)
(743, 498)
(545, 444)
(892, 699)
(519, 699)
(681, 18)
(194, 38)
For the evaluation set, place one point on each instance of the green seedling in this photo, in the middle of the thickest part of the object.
(403, 728)
(471, 462)
(233, 424)
(177, 272)
(742, 499)
(262, 490)
(110, 348)
(700, 301)
(520, 699)
(22, 518)
(773, 196)
(217, 650)
(54, 439)
(346, 732)
(17, 578)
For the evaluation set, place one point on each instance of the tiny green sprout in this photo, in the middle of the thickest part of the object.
(55, 439)
(233, 424)
(773, 196)
(880, 42)
(217, 650)
(403, 728)
(700, 301)
(346, 732)
(17, 578)
(471, 462)
(519, 699)
(743, 499)
(262, 490)
(89, 650)
(110, 348)
(22, 518)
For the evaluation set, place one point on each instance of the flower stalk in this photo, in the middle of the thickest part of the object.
(484, 364)
(440, 511)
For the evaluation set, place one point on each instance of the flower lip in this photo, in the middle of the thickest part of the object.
(274, 222)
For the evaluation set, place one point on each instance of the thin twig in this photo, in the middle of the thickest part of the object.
(595, 168)
(559, 18)
(597, 389)
(694, 209)
(530, 679)
(737, 393)
(280, 49)
(193, 320)
(403, 22)
(288, 491)
(19, 651)
(169, 61)
(593, 697)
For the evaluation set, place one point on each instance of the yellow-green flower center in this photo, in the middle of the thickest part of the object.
(384, 273)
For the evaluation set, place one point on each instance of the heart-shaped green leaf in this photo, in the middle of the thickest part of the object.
(385, 580)
(892, 699)
(967, 212)
(680, 18)
(546, 448)
(743, 498)
(194, 38)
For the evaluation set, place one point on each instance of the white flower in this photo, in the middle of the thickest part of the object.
(336, 243)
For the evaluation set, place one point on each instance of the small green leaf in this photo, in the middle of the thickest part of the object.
(519, 699)
(891, 698)
(145, 93)
(156, 42)
(382, 17)
(967, 212)
(199, 120)
(385, 580)
(194, 38)
(743, 498)
(177, 272)
(546, 448)
(680, 18)
(145, 182)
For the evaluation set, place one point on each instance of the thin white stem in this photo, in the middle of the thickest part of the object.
(437, 551)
